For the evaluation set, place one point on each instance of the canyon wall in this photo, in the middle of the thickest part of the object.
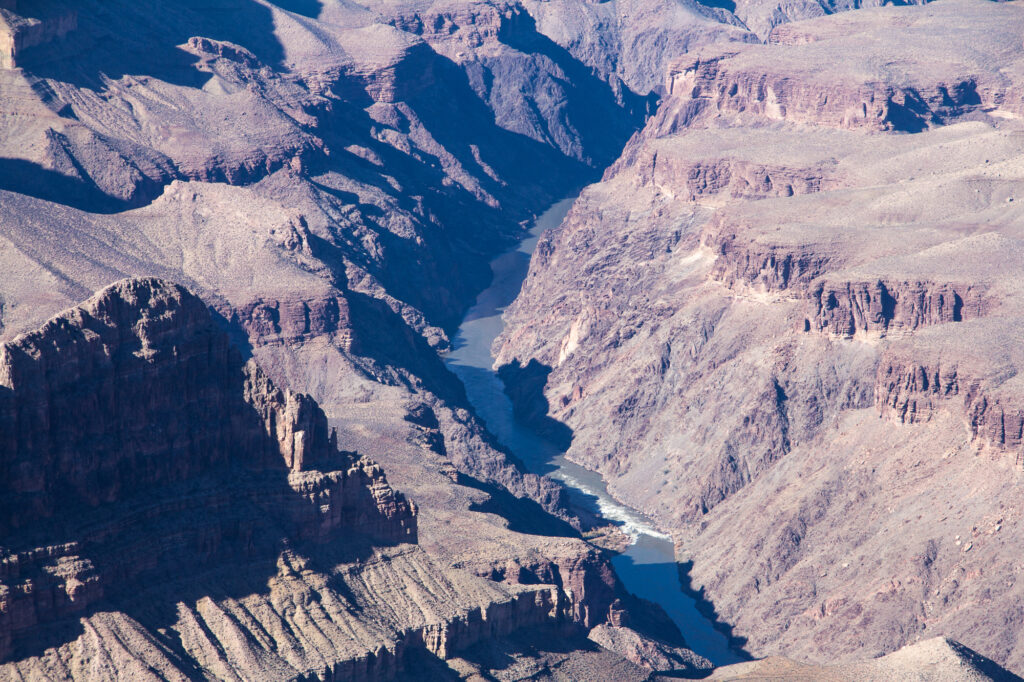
(781, 325)
(386, 151)
(332, 179)
(155, 482)
(32, 26)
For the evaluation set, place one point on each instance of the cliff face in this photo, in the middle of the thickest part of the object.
(48, 22)
(844, 309)
(167, 509)
(332, 178)
(809, 235)
(136, 389)
(718, 84)
(771, 21)
(919, 382)
(137, 440)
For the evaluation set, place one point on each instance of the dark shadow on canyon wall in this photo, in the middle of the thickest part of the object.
(707, 609)
(154, 481)
(548, 643)
(910, 116)
(513, 266)
(115, 39)
(503, 655)
(727, 5)
(31, 179)
(513, 175)
(423, 666)
(523, 514)
(307, 8)
(449, 107)
(604, 119)
(533, 458)
(525, 385)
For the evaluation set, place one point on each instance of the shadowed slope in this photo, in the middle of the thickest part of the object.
(155, 485)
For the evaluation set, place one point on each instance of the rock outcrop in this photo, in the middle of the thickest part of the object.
(848, 308)
(333, 179)
(588, 581)
(773, 21)
(166, 508)
(25, 27)
(942, 371)
(137, 439)
(386, 151)
(733, 83)
(648, 653)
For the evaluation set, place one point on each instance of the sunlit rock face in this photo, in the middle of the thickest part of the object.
(781, 324)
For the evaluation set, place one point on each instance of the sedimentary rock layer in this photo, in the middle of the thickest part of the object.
(387, 150)
(168, 509)
(332, 178)
(809, 235)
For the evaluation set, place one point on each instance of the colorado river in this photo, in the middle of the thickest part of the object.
(647, 567)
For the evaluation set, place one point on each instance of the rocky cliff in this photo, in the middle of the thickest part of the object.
(168, 509)
(104, 401)
(138, 440)
(385, 152)
(26, 27)
(809, 235)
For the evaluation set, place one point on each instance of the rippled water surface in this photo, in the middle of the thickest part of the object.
(648, 567)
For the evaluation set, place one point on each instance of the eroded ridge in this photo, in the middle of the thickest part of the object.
(167, 507)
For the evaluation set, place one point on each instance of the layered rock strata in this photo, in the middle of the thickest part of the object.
(155, 481)
(137, 439)
(332, 180)
(31, 26)
(386, 151)
(167, 509)
(802, 250)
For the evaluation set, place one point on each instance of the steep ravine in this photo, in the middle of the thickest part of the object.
(647, 567)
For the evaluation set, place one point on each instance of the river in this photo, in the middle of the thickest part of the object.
(647, 568)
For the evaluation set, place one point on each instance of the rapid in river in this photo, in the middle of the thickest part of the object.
(647, 568)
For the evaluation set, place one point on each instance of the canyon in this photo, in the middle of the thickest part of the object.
(241, 244)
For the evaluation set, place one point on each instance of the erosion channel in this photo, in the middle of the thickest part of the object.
(647, 567)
